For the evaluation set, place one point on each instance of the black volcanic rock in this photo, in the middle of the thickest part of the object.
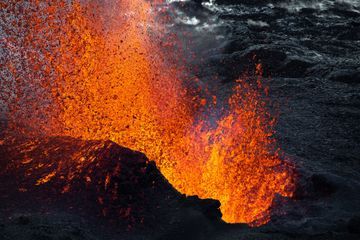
(277, 61)
(97, 179)
(354, 225)
(250, 2)
(294, 67)
(350, 76)
(323, 185)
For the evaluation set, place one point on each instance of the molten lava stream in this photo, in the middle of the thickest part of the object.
(104, 75)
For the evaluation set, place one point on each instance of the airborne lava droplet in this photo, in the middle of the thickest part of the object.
(46, 178)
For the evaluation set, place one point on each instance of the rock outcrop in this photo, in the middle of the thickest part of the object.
(99, 179)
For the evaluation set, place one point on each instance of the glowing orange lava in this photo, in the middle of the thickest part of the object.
(98, 71)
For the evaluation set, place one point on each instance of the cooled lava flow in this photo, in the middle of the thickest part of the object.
(104, 71)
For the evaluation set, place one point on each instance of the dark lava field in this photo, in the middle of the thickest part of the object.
(310, 53)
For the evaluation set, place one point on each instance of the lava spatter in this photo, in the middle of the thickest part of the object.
(97, 71)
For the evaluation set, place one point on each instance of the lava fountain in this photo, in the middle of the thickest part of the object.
(104, 71)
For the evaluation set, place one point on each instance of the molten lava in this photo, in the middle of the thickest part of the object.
(102, 71)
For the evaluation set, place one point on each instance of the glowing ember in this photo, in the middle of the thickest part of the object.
(98, 71)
